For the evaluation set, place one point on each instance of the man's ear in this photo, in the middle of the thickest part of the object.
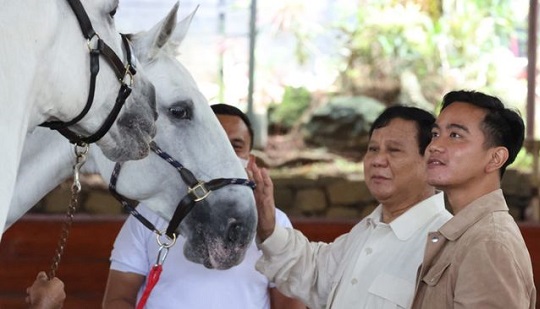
(499, 155)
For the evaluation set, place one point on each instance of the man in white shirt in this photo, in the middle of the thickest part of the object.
(184, 284)
(375, 265)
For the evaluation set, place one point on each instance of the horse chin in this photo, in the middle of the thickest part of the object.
(214, 255)
(124, 144)
(130, 137)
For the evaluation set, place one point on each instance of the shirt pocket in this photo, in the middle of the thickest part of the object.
(395, 292)
(435, 274)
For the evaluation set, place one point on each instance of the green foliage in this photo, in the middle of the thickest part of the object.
(294, 102)
(524, 161)
(463, 47)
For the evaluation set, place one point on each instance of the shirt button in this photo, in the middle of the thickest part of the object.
(368, 251)
(354, 281)
(434, 239)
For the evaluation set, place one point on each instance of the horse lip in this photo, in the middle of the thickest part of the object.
(153, 132)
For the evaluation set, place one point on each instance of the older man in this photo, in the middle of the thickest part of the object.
(375, 265)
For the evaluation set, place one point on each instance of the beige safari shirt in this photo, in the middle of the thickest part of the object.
(478, 259)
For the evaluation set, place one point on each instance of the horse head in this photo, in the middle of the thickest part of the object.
(49, 60)
(221, 227)
(74, 45)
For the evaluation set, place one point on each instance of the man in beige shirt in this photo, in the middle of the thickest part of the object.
(374, 265)
(478, 259)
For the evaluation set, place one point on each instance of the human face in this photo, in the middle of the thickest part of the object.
(238, 134)
(394, 169)
(457, 155)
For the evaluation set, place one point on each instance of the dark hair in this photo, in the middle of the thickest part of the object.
(501, 126)
(226, 109)
(424, 121)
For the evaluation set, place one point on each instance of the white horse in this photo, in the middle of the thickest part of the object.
(45, 76)
(219, 228)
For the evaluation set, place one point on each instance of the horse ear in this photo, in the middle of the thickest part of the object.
(181, 29)
(167, 27)
(149, 43)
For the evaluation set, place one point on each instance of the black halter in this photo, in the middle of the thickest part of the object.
(122, 72)
(197, 191)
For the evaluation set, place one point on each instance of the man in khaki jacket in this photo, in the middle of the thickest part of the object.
(478, 259)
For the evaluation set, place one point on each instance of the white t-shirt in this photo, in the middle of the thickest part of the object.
(184, 284)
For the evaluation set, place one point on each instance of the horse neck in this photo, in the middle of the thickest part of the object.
(46, 162)
(19, 59)
(33, 31)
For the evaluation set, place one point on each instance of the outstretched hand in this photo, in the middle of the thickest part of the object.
(45, 293)
(264, 198)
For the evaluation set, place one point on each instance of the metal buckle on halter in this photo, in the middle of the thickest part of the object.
(128, 75)
(199, 191)
(96, 44)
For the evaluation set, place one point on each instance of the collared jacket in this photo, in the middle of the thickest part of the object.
(373, 266)
(477, 260)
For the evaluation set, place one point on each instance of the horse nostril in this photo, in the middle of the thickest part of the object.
(234, 232)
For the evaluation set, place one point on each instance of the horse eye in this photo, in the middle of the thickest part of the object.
(113, 12)
(179, 112)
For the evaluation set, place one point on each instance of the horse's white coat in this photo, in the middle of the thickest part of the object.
(44, 75)
(198, 143)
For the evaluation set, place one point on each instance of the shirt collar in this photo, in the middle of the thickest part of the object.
(413, 219)
(472, 213)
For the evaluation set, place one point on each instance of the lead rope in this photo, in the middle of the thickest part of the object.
(80, 152)
(155, 272)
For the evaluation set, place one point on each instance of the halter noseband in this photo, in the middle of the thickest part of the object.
(197, 191)
(123, 73)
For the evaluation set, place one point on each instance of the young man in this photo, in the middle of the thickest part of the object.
(478, 259)
(373, 266)
(184, 284)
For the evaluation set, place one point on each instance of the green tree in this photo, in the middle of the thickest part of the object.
(285, 115)
(461, 47)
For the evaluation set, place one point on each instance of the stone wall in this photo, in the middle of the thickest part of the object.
(323, 196)
(346, 197)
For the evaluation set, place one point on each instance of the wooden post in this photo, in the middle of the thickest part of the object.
(532, 144)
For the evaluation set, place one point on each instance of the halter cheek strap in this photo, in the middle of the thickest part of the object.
(197, 191)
